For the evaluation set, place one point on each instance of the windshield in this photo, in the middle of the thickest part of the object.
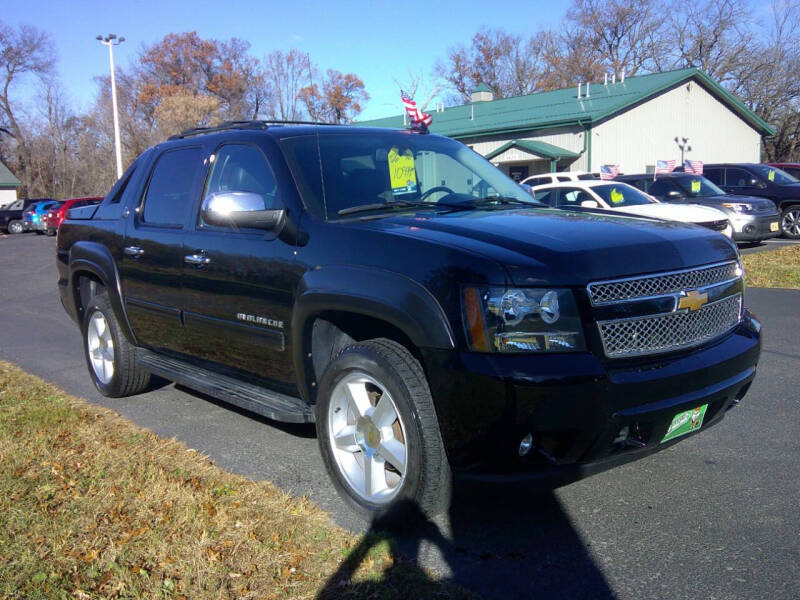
(387, 170)
(698, 187)
(773, 174)
(620, 194)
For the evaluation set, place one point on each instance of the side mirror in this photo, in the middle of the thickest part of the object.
(590, 204)
(240, 209)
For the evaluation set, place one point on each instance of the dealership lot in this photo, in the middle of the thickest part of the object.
(713, 517)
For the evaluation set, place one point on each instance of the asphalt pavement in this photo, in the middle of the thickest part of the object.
(715, 516)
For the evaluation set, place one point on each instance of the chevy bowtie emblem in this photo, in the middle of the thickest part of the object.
(693, 300)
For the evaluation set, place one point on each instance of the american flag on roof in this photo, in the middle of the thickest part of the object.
(415, 115)
(609, 171)
(693, 166)
(665, 166)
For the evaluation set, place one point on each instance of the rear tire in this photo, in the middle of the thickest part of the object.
(110, 358)
(790, 222)
(15, 227)
(392, 466)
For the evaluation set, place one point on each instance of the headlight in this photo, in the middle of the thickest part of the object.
(737, 206)
(522, 320)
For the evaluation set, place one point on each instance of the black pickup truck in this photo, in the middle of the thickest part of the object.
(417, 304)
(11, 215)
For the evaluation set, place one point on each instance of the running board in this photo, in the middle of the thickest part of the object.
(270, 404)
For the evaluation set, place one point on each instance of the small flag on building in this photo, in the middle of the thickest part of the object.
(693, 166)
(415, 115)
(609, 171)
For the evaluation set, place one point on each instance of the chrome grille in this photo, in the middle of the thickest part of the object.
(607, 292)
(671, 331)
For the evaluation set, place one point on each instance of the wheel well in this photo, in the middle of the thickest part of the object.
(787, 203)
(87, 285)
(330, 332)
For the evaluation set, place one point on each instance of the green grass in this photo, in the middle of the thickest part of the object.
(773, 268)
(92, 506)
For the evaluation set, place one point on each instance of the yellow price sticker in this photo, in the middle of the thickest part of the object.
(616, 197)
(695, 186)
(402, 173)
(771, 175)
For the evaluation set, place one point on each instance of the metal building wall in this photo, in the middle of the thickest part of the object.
(638, 137)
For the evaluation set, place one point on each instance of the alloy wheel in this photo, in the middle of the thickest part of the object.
(367, 437)
(791, 222)
(101, 347)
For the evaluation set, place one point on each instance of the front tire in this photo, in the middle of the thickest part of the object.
(111, 359)
(790, 222)
(15, 227)
(378, 431)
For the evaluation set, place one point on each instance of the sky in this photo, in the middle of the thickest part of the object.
(379, 41)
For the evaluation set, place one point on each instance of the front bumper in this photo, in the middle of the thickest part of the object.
(752, 228)
(576, 406)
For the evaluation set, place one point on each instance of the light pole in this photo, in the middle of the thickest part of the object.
(684, 147)
(111, 40)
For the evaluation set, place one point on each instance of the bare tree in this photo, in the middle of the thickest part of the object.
(24, 51)
(510, 65)
(285, 74)
(622, 34)
(337, 99)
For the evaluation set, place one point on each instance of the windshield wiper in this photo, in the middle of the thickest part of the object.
(395, 204)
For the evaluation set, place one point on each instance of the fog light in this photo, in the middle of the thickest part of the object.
(525, 445)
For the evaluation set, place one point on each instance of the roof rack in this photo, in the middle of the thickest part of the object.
(253, 124)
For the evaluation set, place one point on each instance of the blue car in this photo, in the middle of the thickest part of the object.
(33, 217)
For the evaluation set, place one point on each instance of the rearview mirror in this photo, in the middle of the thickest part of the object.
(590, 204)
(753, 182)
(240, 209)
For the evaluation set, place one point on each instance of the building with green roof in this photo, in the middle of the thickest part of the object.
(629, 122)
(8, 186)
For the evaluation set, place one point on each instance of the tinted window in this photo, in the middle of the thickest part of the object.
(545, 196)
(570, 197)
(793, 171)
(774, 174)
(660, 188)
(126, 177)
(169, 191)
(16, 205)
(714, 175)
(697, 186)
(638, 183)
(737, 177)
(563, 178)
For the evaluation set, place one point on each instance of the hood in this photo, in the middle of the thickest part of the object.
(756, 204)
(556, 247)
(686, 213)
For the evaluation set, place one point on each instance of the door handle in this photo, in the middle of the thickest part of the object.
(133, 251)
(197, 259)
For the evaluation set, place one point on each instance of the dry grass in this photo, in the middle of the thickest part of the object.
(774, 268)
(92, 506)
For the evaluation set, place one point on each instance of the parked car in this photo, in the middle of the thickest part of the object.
(792, 169)
(623, 198)
(409, 298)
(33, 216)
(546, 178)
(11, 216)
(56, 215)
(754, 179)
(753, 219)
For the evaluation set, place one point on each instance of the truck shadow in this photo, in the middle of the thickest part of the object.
(514, 543)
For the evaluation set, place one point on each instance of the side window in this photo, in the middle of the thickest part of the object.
(714, 175)
(168, 194)
(563, 178)
(660, 188)
(242, 168)
(16, 206)
(638, 183)
(545, 197)
(737, 177)
(570, 197)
